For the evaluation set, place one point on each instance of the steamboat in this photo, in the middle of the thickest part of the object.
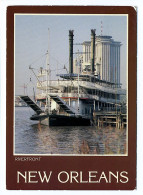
(92, 84)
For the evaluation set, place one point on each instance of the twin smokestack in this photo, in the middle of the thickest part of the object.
(71, 50)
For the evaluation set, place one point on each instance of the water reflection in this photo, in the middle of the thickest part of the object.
(33, 138)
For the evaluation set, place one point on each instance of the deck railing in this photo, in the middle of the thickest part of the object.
(85, 84)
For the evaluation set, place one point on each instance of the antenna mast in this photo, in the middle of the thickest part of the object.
(101, 28)
(24, 87)
(48, 78)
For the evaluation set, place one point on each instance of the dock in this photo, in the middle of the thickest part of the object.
(116, 119)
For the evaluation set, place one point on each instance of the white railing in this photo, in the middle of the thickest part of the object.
(85, 84)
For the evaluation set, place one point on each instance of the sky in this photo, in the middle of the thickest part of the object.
(32, 41)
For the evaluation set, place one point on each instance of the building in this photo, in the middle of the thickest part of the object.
(78, 64)
(107, 59)
(19, 102)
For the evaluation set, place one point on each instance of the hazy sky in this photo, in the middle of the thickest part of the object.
(31, 41)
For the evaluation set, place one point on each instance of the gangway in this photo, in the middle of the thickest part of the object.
(32, 104)
(64, 105)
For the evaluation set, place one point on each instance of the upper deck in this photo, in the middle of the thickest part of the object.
(83, 81)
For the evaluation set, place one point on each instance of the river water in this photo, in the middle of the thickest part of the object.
(30, 138)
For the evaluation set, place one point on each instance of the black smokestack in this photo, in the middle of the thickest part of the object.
(71, 51)
(92, 49)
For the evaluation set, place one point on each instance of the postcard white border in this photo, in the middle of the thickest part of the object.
(94, 155)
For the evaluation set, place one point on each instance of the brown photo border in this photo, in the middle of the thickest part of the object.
(73, 163)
